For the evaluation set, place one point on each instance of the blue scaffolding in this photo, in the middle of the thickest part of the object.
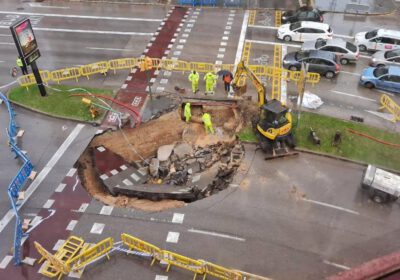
(19, 180)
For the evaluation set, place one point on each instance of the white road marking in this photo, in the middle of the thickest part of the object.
(60, 188)
(172, 237)
(48, 203)
(110, 49)
(87, 31)
(76, 183)
(161, 277)
(352, 95)
(106, 210)
(80, 16)
(242, 39)
(83, 207)
(283, 81)
(38, 5)
(178, 218)
(58, 244)
(5, 261)
(351, 73)
(272, 43)
(97, 228)
(40, 220)
(71, 225)
(331, 206)
(7, 44)
(6, 86)
(114, 172)
(104, 177)
(365, 56)
(264, 27)
(343, 36)
(71, 172)
(5, 35)
(336, 265)
(216, 234)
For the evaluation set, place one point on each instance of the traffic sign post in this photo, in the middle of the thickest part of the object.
(27, 47)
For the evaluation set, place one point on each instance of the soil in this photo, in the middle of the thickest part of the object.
(134, 144)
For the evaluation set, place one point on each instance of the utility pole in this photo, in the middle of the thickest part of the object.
(301, 85)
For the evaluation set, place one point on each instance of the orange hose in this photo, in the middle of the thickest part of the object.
(373, 138)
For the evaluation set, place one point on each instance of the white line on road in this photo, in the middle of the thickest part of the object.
(42, 175)
(352, 95)
(7, 44)
(272, 43)
(80, 16)
(343, 36)
(264, 27)
(351, 73)
(110, 49)
(216, 234)
(5, 35)
(331, 206)
(242, 39)
(85, 31)
(336, 265)
(38, 5)
(8, 85)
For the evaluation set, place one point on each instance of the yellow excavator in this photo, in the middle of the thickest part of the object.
(273, 125)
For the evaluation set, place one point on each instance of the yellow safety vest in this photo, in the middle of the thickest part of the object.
(194, 77)
(188, 113)
(19, 62)
(207, 119)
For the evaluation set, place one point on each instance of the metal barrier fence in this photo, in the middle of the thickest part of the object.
(390, 105)
(18, 181)
(56, 265)
(165, 64)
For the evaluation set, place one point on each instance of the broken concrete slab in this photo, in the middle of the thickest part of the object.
(182, 150)
(164, 152)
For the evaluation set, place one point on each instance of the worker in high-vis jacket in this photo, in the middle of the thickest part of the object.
(210, 82)
(187, 112)
(194, 78)
(207, 123)
(20, 64)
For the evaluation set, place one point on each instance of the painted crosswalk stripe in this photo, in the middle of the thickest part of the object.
(97, 228)
(172, 237)
(106, 210)
(71, 172)
(60, 188)
(5, 261)
(71, 225)
(48, 203)
(178, 218)
(58, 244)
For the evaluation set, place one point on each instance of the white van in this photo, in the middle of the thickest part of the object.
(378, 40)
(382, 186)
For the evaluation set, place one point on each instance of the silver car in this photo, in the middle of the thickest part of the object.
(383, 58)
(346, 52)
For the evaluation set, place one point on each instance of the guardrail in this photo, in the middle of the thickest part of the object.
(102, 67)
(57, 266)
(18, 181)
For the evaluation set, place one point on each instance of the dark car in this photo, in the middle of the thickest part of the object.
(302, 14)
(322, 62)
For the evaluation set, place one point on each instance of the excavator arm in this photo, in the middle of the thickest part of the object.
(242, 68)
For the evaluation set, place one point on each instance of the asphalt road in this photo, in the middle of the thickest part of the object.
(299, 218)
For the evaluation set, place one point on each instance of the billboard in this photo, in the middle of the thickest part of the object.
(25, 40)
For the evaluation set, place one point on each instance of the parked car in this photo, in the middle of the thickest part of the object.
(381, 185)
(324, 63)
(302, 14)
(346, 51)
(386, 78)
(304, 31)
(378, 40)
(383, 58)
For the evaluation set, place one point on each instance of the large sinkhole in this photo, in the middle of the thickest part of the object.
(166, 162)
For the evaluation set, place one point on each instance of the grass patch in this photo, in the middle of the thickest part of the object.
(57, 103)
(247, 134)
(353, 146)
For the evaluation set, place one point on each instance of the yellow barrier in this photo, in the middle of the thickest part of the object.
(53, 267)
(202, 67)
(100, 249)
(245, 58)
(252, 17)
(171, 258)
(221, 272)
(391, 106)
(66, 74)
(278, 18)
(249, 276)
(137, 244)
(122, 63)
(94, 68)
(28, 80)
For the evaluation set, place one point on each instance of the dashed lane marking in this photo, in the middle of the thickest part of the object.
(273, 43)
(172, 237)
(97, 228)
(336, 265)
(58, 244)
(106, 210)
(60, 188)
(178, 218)
(83, 207)
(48, 203)
(331, 206)
(5, 261)
(352, 95)
(351, 73)
(161, 277)
(71, 172)
(216, 234)
(71, 225)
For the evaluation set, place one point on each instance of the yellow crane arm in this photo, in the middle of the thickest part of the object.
(242, 68)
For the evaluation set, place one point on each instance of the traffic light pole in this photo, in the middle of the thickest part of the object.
(38, 78)
(148, 83)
